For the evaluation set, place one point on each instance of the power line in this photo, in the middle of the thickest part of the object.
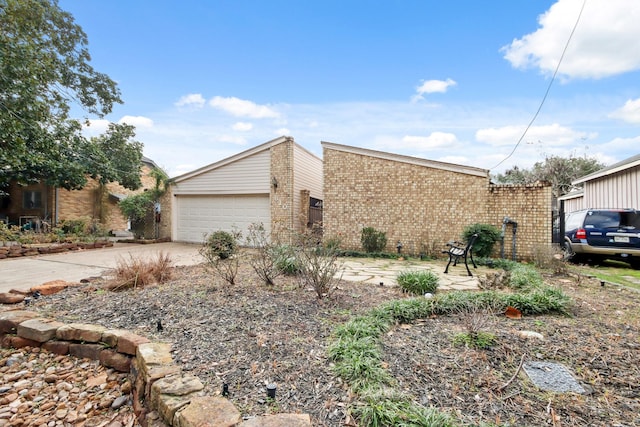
(544, 98)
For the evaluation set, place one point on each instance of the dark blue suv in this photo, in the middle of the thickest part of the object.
(597, 234)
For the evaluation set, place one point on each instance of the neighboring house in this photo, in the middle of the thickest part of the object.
(616, 186)
(274, 183)
(421, 204)
(37, 203)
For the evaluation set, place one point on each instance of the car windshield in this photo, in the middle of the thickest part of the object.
(612, 219)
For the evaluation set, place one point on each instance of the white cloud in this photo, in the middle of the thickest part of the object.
(434, 140)
(137, 121)
(233, 139)
(282, 131)
(243, 108)
(630, 112)
(548, 135)
(605, 42)
(96, 127)
(432, 86)
(242, 126)
(192, 99)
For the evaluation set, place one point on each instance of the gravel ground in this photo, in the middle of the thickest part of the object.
(249, 335)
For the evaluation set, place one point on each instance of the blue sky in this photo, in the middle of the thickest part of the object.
(455, 81)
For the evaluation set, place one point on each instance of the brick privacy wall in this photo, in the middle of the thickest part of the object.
(424, 208)
(94, 202)
(282, 221)
(530, 207)
(421, 207)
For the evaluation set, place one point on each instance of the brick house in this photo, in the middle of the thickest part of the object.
(423, 204)
(94, 202)
(277, 183)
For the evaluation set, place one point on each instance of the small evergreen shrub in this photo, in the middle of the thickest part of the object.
(373, 240)
(488, 235)
(418, 282)
(220, 244)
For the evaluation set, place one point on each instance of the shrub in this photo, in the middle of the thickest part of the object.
(418, 282)
(488, 235)
(9, 233)
(220, 244)
(264, 258)
(219, 252)
(318, 264)
(524, 277)
(286, 260)
(73, 226)
(373, 240)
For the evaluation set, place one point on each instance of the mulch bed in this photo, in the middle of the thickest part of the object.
(248, 336)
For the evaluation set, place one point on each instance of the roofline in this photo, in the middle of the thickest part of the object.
(610, 170)
(149, 162)
(572, 195)
(251, 151)
(469, 170)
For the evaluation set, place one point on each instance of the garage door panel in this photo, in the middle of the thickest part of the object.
(197, 216)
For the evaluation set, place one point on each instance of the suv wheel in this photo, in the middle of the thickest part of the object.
(635, 263)
(568, 253)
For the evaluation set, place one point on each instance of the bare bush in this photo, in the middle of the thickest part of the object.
(550, 258)
(475, 320)
(318, 263)
(264, 259)
(138, 272)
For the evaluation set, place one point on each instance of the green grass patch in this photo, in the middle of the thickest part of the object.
(612, 272)
(479, 340)
(355, 347)
(418, 282)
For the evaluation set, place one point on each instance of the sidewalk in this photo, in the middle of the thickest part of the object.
(26, 272)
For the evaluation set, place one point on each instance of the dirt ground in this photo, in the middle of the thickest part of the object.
(249, 335)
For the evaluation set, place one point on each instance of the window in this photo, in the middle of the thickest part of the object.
(31, 200)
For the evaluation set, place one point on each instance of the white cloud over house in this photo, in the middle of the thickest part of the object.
(243, 108)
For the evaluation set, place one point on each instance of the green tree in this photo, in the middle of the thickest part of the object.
(45, 70)
(559, 171)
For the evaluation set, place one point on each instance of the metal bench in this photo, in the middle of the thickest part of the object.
(458, 250)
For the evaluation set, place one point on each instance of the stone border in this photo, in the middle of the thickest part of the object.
(160, 388)
(17, 250)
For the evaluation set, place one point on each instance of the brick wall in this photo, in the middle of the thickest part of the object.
(94, 201)
(425, 207)
(415, 205)
(530, 207)
(282, 215)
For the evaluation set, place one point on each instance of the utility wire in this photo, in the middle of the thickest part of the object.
(544, 98)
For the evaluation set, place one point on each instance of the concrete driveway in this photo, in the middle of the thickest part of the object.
(26, 272)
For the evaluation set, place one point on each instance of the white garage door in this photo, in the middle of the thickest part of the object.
(199, 215)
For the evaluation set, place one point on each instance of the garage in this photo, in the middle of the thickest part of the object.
(271, 184)
(200, 215)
